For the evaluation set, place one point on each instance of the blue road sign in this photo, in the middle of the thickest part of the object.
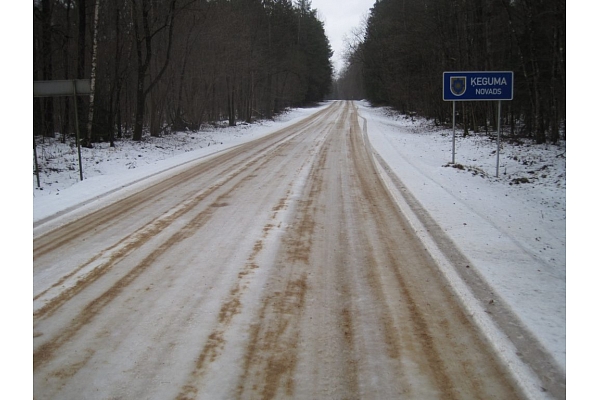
(478, 86)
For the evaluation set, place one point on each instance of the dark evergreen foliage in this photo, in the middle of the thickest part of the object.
(408, 44)
(175, 64)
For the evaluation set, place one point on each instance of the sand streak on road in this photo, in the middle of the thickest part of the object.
(279, 269)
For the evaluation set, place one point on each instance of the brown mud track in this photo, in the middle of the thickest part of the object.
(279, 269)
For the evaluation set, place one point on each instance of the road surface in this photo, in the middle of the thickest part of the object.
(281, 268)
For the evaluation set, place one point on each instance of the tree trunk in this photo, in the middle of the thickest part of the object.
(82, 26)
(143, 60)
(114, 100)
(48, 102)
(140, 104)
(66, 126)
(156, 114)
(88, 139)
(230, 102)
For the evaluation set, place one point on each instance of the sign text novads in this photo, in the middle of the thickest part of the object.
(488, 81)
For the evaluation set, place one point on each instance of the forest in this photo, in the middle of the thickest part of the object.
(398, 56)
(162, 65)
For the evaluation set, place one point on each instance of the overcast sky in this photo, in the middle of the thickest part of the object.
(340, 17)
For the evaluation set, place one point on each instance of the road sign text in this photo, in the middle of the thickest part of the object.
(477, 86)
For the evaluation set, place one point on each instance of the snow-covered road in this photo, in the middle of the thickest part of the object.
(164, 287)
(280, 268)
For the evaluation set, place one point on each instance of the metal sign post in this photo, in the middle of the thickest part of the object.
(63, 88)
(453, 130)
(498, 140)
(77, 130)
(477, 86)
(37, 170)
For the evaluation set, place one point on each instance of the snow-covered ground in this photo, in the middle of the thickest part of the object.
(511, 228)
(106, 169)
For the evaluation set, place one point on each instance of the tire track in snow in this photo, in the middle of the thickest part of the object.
(232, 305)
(45, 351)
(332, 295)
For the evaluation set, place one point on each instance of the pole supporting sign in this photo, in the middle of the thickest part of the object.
(477, 86)
(75, 87)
